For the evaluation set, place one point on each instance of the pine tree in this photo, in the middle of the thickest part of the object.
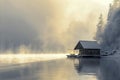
(99, 29)
(113, 7)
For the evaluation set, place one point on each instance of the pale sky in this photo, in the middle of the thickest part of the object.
(49, 24)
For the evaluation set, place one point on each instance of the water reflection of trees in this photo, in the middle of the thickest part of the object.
(107, 68)
(110, 68)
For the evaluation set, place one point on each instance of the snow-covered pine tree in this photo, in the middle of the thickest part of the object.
(99, 29)
(113, 7)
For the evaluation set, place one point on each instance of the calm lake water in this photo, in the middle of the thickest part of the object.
(64, 69)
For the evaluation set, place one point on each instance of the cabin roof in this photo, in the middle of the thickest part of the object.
(87, 45)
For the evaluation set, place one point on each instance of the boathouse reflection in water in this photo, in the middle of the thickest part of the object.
(87, 66)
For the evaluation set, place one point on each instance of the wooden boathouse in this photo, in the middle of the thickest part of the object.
(88, 49)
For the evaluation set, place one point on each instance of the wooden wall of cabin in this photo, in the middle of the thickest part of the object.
(89, 52)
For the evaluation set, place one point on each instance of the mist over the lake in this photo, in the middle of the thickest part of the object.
(46, 25)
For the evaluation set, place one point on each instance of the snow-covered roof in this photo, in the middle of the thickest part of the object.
(87, 45)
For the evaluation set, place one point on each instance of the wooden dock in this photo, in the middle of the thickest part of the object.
(80, 56)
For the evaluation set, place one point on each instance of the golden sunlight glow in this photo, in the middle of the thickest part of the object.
(105, 2)
(76, 8)
(27, 58)
(51, 20)
(82, 10)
